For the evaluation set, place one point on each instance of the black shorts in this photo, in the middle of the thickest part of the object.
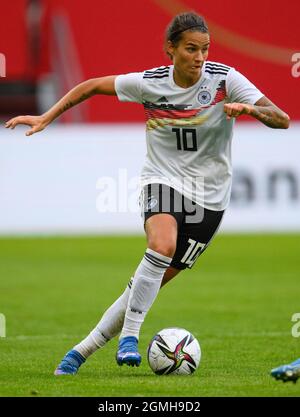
(196, 225)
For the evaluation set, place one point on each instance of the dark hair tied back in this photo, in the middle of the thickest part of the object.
(185, 21)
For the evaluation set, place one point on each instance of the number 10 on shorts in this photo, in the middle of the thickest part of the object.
(192, 253)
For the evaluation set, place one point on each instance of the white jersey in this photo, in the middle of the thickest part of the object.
(188, 136)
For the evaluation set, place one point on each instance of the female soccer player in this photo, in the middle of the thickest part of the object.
(190, 109)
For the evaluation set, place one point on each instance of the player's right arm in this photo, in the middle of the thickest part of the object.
(103, 85)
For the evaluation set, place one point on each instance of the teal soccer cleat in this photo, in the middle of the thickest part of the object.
(285, 373)
(70, 363)
(128, 352)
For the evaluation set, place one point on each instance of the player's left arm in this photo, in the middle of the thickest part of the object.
(263, 110)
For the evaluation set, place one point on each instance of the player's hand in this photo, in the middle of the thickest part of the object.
(236, 109)
(37, 123)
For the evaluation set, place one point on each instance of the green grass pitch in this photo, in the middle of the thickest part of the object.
(238, 301)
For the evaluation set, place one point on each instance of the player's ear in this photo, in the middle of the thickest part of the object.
(169, 48)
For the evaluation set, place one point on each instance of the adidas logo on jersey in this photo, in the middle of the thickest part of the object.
(151, 202)
(163, 99)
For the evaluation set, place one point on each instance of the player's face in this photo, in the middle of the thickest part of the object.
(190, 53)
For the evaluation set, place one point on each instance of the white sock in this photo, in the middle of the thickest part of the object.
(109, 326)
(146, 284)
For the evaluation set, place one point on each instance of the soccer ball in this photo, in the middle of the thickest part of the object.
(174, 351)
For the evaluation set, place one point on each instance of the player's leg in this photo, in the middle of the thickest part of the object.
(194, 232)
(161, 231)
(289, 372)
(170, 273)
(108, 327)
(112, 321)
(191, 242)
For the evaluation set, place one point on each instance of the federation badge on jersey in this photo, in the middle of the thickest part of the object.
(204, 97)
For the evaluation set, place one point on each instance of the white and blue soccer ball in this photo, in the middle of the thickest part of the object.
(174, 351)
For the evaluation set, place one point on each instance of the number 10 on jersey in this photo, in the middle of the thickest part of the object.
(186, 139)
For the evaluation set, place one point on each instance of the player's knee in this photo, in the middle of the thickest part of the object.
(164, 248)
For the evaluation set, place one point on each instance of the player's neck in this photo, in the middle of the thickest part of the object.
(183, 80)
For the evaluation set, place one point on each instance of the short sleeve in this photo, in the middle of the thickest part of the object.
(240, 89)
(129, 87)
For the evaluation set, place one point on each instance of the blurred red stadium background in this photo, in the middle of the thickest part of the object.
(68, 41)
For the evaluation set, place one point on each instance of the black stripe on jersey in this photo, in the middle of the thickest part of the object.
(159, 73)
(216, 72)
(216, 69)
(156, 76)
(158, 70)
(156, 73)
(218, 66)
